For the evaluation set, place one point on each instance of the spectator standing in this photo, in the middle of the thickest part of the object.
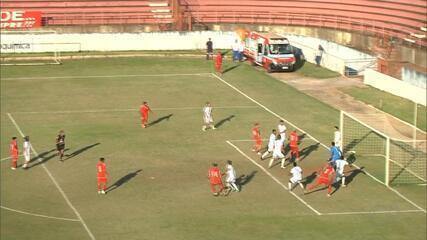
(235, 48)
(209, 49)
(319, 54)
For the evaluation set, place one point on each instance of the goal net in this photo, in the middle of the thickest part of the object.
(29, 48)
(391, 160)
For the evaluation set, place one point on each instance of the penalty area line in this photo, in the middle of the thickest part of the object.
(274, 178)
(374, 212)
(55, 182)
(106, 76)
(315, 139)
(39, 215)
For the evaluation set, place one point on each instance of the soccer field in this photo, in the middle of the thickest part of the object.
(158, 175)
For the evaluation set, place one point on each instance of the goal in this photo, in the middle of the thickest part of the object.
(29, 48)
(392, 161)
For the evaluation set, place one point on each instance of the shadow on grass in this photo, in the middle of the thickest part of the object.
(230, 68)
(305, 152)
(167, 117)
(78, 151)
(245, 179)
(123, 180)
(44, 157)
(221, 122)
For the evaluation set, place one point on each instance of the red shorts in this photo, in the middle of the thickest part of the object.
(102, 180)
(323, 181)
(216, 181)
(294, 148)
(14, 157)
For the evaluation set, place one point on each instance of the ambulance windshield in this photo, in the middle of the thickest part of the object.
(280, 49)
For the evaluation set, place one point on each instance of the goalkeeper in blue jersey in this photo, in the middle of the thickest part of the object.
(335, 153)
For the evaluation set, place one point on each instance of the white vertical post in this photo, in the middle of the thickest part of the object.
(414, 133)
(387, 161)
(342, 130)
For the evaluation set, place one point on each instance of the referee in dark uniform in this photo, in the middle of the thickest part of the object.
(60, 144)
(209, 49)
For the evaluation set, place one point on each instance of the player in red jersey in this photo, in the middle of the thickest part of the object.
(102, 175)
(144, 110)
(326, 177)
(14, 153)
(256, 136)
(293, 144)
(218, 63)
(215, 179)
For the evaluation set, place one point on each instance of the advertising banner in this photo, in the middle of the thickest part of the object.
(11, 19)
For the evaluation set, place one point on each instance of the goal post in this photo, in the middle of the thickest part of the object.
(29, 47)
(391, 160)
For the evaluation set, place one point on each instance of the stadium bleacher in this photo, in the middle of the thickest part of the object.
(397, 18)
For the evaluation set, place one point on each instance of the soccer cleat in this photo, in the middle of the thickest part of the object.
(99, 192)
(102, 192)
(344, 185)
(13, 168)
(258, 153)
(328, 195)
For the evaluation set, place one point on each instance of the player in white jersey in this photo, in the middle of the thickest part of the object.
(340, 166)
(277, 152)
(270, 147)
(26, 151)
(337, 138)
(296, 178)
(231, 177)
(207, 117)
(282, 129)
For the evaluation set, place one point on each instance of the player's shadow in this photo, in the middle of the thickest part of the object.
(243, 179)
(305, 152)
(158, 120)
(221, 122)
(309, 179)
(78, 151)
(353, 174)
(230, 68)
(44, 157)
(123, 180)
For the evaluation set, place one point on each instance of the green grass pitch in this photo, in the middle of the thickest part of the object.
(160, 172)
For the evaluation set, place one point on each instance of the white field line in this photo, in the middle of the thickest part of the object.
(274, 178)
(308, 135)
(104, 76)
(374, 212)
(131, 110)
(40, 215)
(406, 169)
(6, 158)
(55, 182)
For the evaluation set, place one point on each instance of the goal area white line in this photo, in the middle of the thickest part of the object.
(229, 142)
(310, 136)
(274, 178)
(67, 200)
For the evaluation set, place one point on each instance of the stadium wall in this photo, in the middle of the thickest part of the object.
(395, 86)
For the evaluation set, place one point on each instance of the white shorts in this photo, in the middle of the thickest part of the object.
(270, 147)
(295, 180)
(278, 155)
(230, 179)
(27, 157)
(208, 120)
